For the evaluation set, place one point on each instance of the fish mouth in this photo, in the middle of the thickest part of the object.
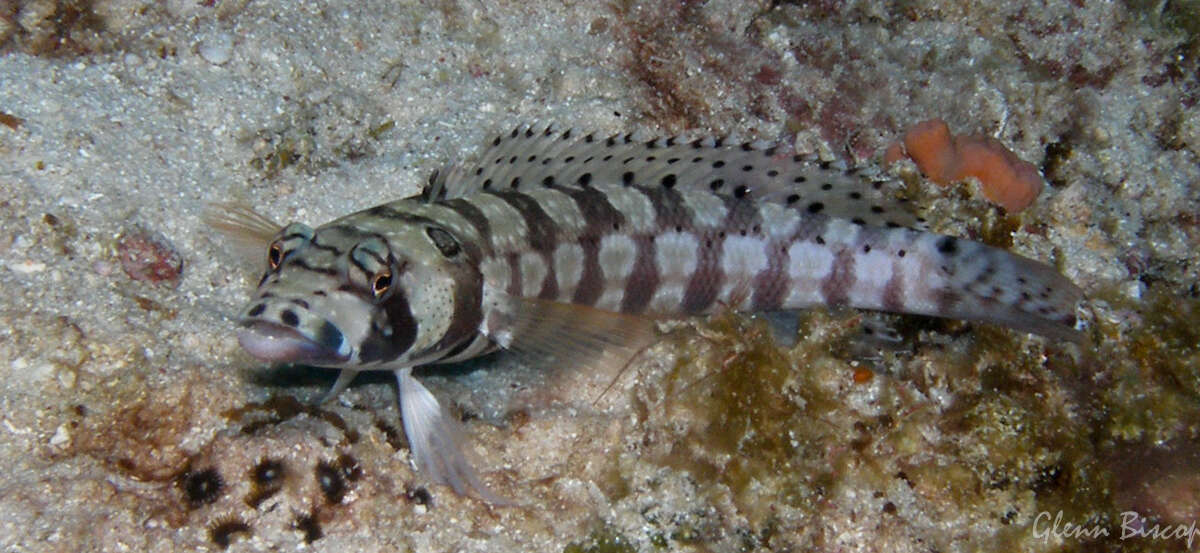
(276, 343)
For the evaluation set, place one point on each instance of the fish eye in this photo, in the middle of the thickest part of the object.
(381, 283)
(274, 256)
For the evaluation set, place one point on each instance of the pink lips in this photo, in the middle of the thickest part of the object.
(275, 343)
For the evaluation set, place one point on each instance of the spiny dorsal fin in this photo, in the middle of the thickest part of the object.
(240, 222)
(529, 156)
(249, 231)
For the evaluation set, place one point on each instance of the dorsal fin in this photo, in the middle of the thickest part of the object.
(248, 231)
(529, 156)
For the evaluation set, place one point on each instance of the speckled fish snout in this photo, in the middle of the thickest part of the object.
(305, 309)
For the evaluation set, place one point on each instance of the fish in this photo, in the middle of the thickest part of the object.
(572, 245)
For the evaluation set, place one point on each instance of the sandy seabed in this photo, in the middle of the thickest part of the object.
(132, 421)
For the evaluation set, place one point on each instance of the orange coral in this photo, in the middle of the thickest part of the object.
(1003, 177)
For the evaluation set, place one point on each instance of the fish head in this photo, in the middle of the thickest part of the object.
(343, 297)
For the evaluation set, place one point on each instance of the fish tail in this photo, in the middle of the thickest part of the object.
(981, 283)
(907, 271)
(961, 279)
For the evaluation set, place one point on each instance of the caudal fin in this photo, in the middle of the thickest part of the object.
(976, 282)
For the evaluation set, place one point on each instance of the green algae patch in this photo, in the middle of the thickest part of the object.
(1149, 360)
(746, 415)
(971, 425)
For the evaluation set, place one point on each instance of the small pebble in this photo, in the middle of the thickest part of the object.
(149, 257)
(216, 49)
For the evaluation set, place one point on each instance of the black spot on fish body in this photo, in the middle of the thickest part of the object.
(717, 184)
(627, 178)
(668, 181)
(815, 207)
(585, 179)
(288, 317)
(257, 310)
(718, 164)
(800, 179)
(947, 245)
(329, 336)
(793, 198)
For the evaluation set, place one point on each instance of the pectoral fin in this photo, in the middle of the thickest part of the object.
(436, 440)
(573, 335)
(344, 378)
